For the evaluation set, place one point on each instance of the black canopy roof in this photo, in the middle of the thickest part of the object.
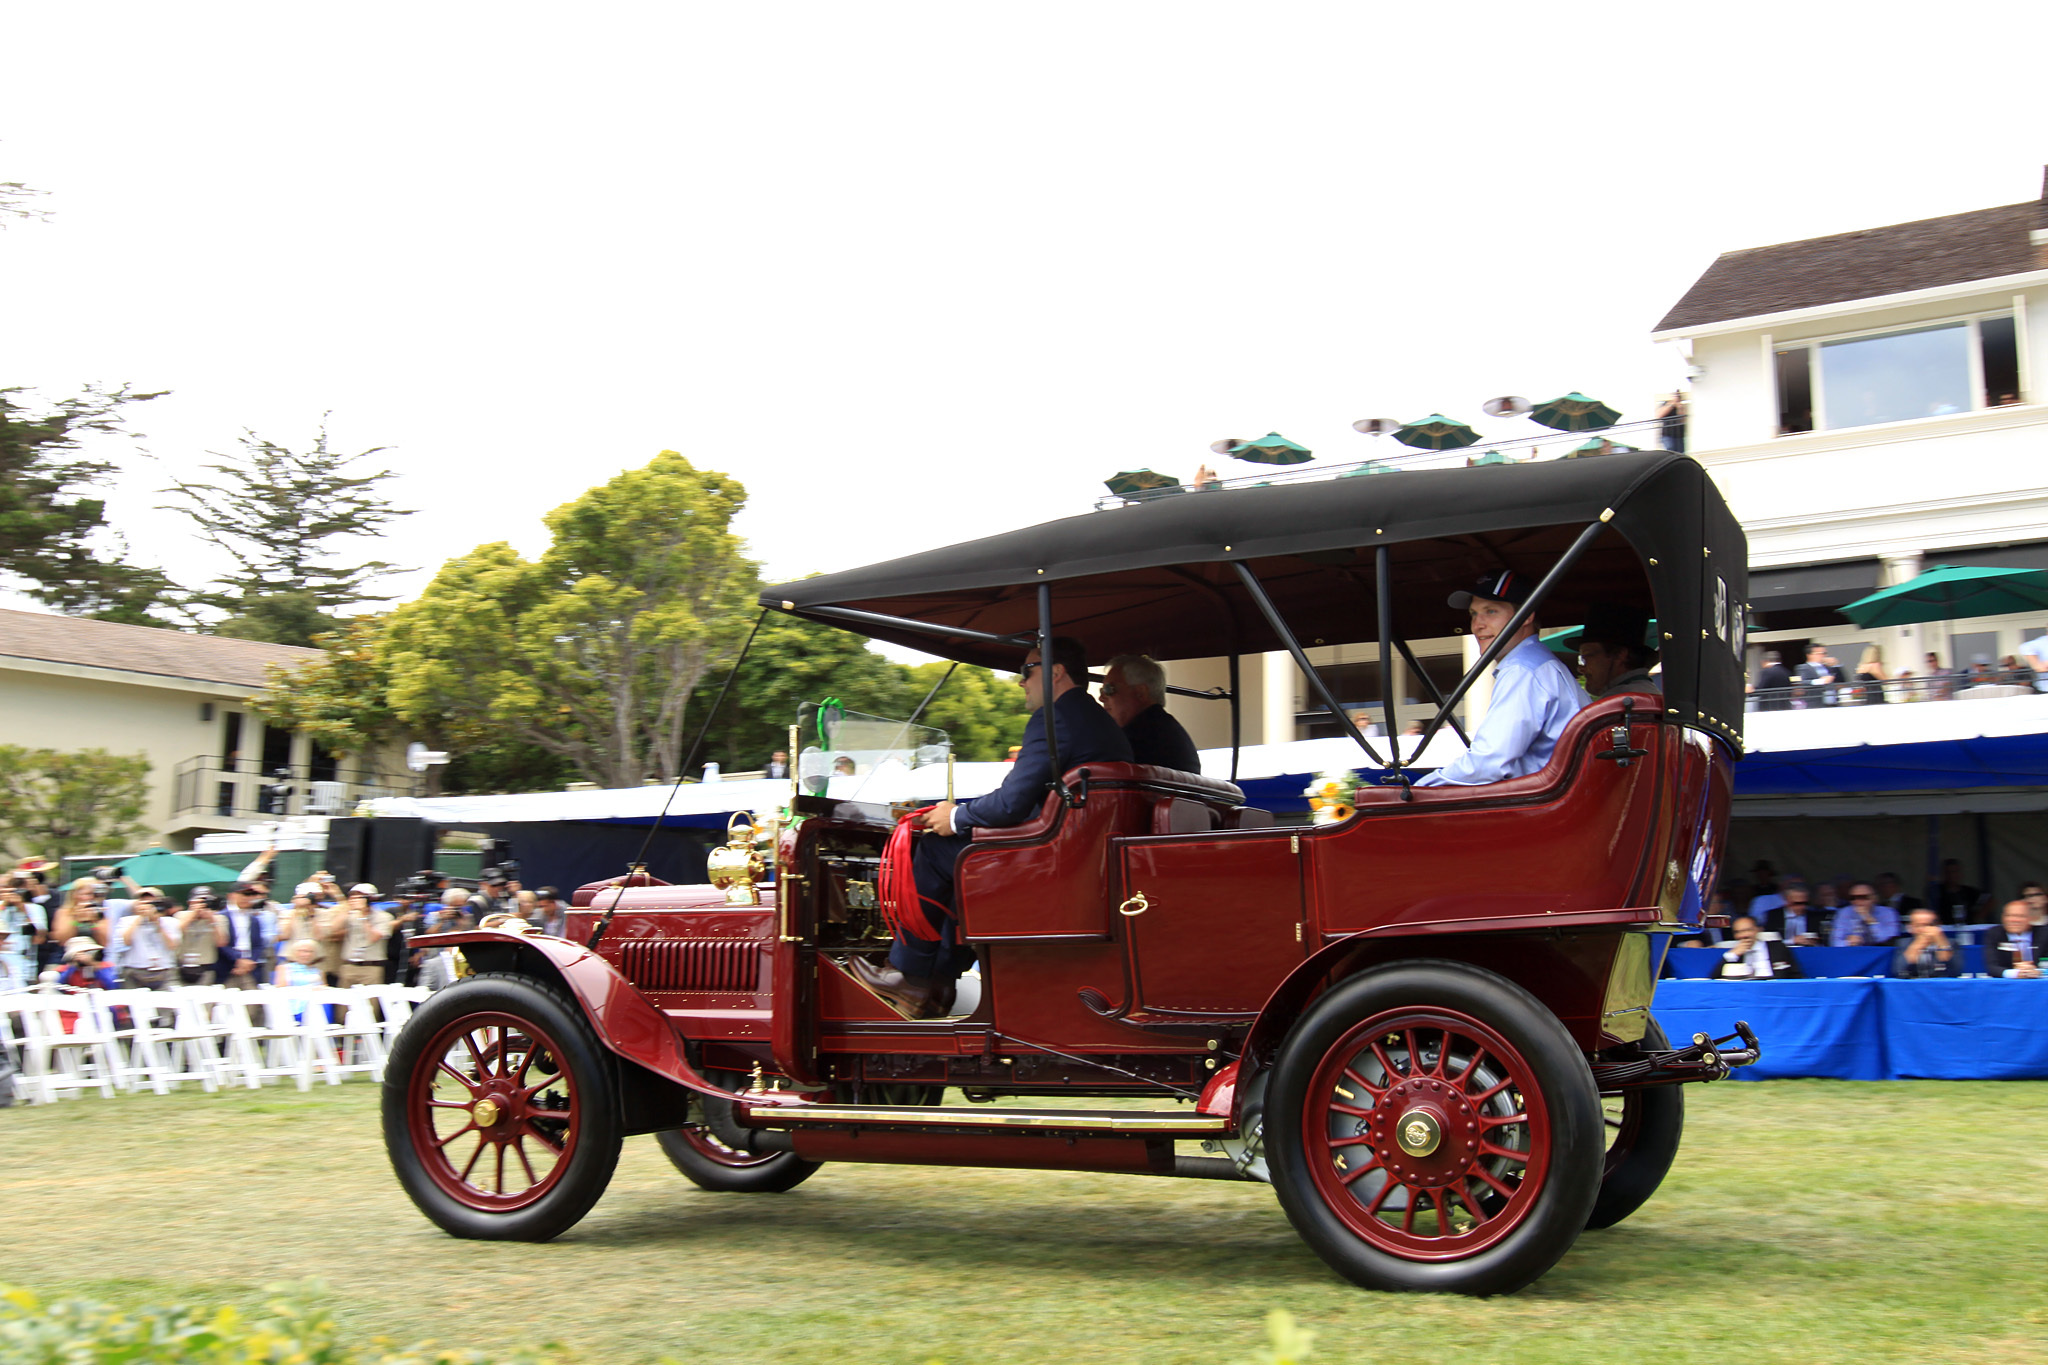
(1157, 577)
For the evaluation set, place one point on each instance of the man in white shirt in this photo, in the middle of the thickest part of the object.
(2035, 651)
(1534, 694)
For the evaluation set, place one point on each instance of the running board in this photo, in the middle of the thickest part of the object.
(1097, 1122)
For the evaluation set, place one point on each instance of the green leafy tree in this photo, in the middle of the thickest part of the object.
(343, 698)
(593, 652)
(793, 661)
(982, 713)
(54, 540)
(87, 801)
(282, 518)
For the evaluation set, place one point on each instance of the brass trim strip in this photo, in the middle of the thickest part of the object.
(1109, 1121)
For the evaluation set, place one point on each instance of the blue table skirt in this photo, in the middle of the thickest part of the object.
(1992, 1030)
(1872, 1030)
(1699, 963)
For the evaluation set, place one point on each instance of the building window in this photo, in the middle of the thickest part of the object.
(1930, 371)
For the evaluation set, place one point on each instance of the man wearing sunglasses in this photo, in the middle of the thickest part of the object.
(1867, 922)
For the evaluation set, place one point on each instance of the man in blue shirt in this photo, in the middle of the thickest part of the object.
(1867, 923)
(921, 972)
(1534, 694)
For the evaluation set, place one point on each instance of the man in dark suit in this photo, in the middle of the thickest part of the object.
(1774, 683)
(1753, 958)
(1134, 694)
(1795, 921)
(241, 945)
(1817, 677)
(2015, 947)
(921, 972)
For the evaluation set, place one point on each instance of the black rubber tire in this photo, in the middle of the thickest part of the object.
(1557, 1213)
(1653, 1122)
(588, 1168)
(733, 1174)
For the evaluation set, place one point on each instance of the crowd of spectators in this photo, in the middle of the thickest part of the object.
(1770, 913)
(105, 930)
(1821, 679)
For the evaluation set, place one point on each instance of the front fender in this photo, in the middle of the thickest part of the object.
(625, 1020)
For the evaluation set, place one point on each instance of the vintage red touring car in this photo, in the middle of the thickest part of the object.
(1425, 1025)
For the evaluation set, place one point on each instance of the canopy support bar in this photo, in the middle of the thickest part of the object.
(1046, 689)
(1020, 640)
(1436, 693)
(1315, 679)
(1236, 714)
(1492, 652)
(1384, 592)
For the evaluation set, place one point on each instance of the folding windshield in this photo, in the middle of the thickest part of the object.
(849, 756)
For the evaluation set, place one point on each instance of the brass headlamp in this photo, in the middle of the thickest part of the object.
(736, 865)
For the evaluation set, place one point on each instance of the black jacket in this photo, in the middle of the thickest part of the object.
(1999, 956)
(1157, 738)
(1087, 734)
(1782, 964)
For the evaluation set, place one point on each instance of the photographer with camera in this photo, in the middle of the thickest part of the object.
(360, 928)
(25, 924)
(242, 940)
(200, 932)
(554, 916)
(415, 894)
(149, 944)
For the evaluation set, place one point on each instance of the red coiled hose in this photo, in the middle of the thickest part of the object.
(897, 889)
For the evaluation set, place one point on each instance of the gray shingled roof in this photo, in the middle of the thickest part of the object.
(141, 649)
(1978, 245)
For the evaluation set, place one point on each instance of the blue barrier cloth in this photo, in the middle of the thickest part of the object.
(1992, 1030)
(1695, 963)
(1807, 1028)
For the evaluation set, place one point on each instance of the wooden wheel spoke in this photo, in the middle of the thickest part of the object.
(1350, 1110)
(1381, 1198)
(469, 1127)
(543, 1138)
(1351, 1074)
(470, 1165)
(1504, 1121)
(501, 1168)
(466, 1082)
(1491, 1090)
(1495, 1149)
(1501, 1187)
(450, 1104)
(1348, 1142)
(1473, 1206)
(519, 1146)
(1414, 1059)
(1471, 1065)
(1351, 1175)
(1613, 1122)
(1408, 1214)
(1379, 1051)
(469, 1041)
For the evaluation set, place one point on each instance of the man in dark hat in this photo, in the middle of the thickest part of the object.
(1534, 694)
(1614, 650)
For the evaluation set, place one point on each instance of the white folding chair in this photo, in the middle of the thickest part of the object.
(266, 1041)
(352, 1040)
(63, 1046)
(192, 1044)
(396, 1003)
(137, 1055)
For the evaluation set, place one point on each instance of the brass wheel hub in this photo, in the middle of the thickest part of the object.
(1418, 1132)
(486, 1113)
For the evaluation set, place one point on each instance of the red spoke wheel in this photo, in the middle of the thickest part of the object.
(500, 1110)
(1431, 1126)
(1644, 1127)
(709, 1164)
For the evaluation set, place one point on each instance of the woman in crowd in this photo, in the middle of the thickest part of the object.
(299, 967)
(84, 967)
(79, 914)
(1870, 674)
(24, 923)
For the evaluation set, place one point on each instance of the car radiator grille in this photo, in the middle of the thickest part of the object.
(692, 964)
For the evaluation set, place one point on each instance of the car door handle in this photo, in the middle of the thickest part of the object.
(1136, 905)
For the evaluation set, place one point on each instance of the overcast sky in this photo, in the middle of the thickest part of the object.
(919, 273)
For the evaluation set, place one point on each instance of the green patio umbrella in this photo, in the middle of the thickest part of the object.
(1273, 448)
(1599, 445)
(1490, 457)
(1564, 641)
(175, 873)
(1437, 432)
(1946, 593)
(1132, 482)
(1575, 412)
(1370, 467)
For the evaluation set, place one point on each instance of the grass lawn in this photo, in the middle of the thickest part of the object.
(1806, 1221)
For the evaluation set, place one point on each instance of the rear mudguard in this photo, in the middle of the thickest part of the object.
(624, 1020)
